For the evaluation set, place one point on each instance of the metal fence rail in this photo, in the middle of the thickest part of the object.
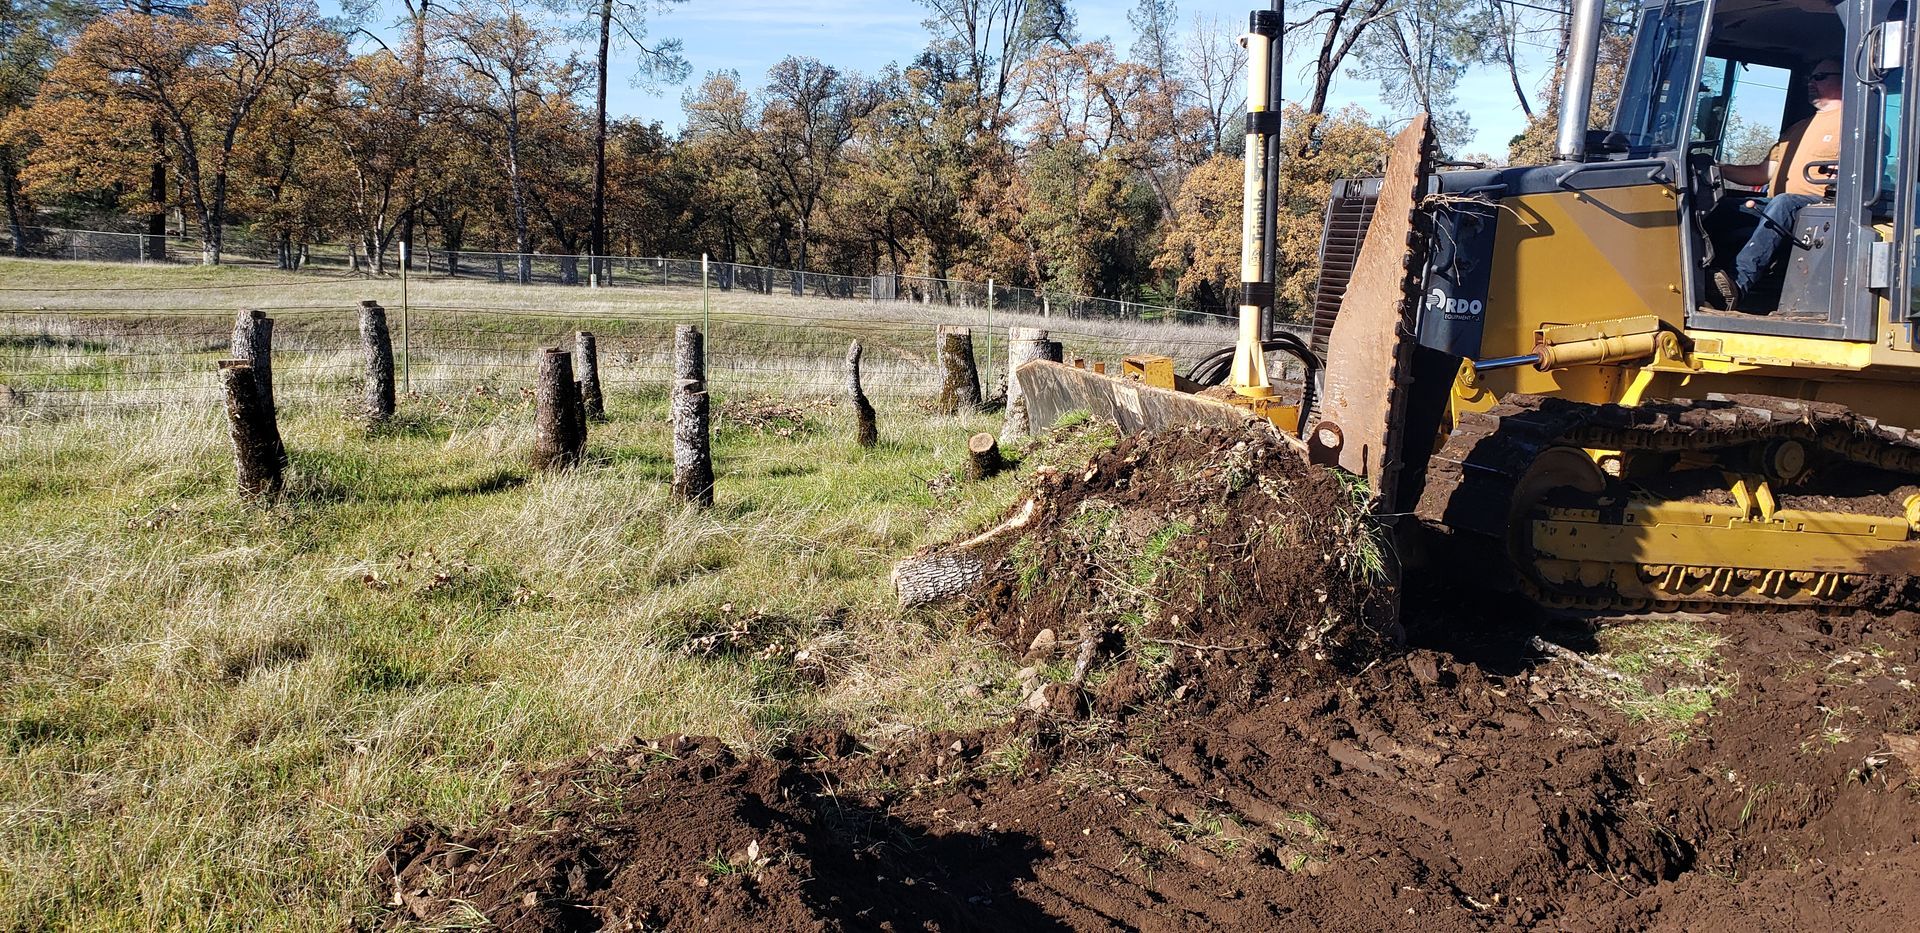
(592, 271)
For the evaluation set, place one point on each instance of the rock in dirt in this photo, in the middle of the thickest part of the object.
(1043, 645)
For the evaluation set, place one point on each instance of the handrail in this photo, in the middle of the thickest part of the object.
(1656, 170)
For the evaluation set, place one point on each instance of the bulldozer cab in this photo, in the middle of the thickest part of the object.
(1712, 82)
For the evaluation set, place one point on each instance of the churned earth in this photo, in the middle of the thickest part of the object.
(1223, 726)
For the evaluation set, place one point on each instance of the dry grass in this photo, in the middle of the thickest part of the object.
(61, 286)
(76, 334)
(213, 715)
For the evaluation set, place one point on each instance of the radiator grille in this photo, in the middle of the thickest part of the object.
(1349, 211)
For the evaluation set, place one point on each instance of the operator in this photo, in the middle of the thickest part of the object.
(1815, 139)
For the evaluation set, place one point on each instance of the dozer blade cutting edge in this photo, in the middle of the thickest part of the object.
(1053, 389)
(1363, 419)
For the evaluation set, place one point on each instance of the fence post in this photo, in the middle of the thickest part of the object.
(253, 342)
(559, 432)
(706, 305)
(586, 365)
(960, 376)
(406, 321)
(692, 454)
(258, 456)
(1024, 345)
(990, 383)
(866, 432)
(379, 346)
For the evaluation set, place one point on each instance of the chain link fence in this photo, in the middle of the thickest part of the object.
(594, 272)
(58, 363)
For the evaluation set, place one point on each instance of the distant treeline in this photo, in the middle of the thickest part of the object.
(1007, 148)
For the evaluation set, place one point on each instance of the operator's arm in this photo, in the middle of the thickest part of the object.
(1761, 174)
(1758, 175)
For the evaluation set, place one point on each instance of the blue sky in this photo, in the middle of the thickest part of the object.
(866, 35)
(749, 36)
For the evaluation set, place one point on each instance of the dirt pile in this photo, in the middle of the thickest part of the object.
(1250, 757)
(682, 832)
(1171, 546)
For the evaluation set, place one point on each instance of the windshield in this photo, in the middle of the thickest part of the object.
(1653, 98)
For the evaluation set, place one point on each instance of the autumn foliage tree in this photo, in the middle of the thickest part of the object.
(1008, 147)
(502, 75)
(204, 76)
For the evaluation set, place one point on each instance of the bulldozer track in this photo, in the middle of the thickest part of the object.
(1471, 480)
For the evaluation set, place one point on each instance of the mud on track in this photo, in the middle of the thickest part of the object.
(1209, 780)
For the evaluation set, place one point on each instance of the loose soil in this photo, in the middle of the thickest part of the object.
(1271, 761)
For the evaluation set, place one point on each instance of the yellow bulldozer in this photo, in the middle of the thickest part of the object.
(1533, 363)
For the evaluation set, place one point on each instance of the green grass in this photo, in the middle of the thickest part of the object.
(213, 715)
(1681, 658)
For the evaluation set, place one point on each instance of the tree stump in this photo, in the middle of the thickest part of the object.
(586, 369)
(692, 451)
(983, 456)
(866, 432)
(253, 342)
(259, 459)
(960, 376)
(1024, 345)
(379, 346)
(559, 435)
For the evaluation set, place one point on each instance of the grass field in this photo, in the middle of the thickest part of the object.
(214, 715)
(78, 334)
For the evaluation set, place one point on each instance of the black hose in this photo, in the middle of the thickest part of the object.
(1212, 369)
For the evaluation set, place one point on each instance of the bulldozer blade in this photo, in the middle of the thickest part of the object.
(1053, 389)
(1362, 419)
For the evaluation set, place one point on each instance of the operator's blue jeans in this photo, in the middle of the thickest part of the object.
(1758, 254)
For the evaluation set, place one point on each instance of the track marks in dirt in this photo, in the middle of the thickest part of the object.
(1311, 780)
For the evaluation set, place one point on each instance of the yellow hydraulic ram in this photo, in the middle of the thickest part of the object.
(1600, 343)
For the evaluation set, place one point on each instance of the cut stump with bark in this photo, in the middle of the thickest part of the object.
(586, 370)
(866, 431)
(253, 342)
(691, 416)
(960, 375)
(983, 456)
(1024, 345)
(259, 458)
(559, 432)
(374, 337)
